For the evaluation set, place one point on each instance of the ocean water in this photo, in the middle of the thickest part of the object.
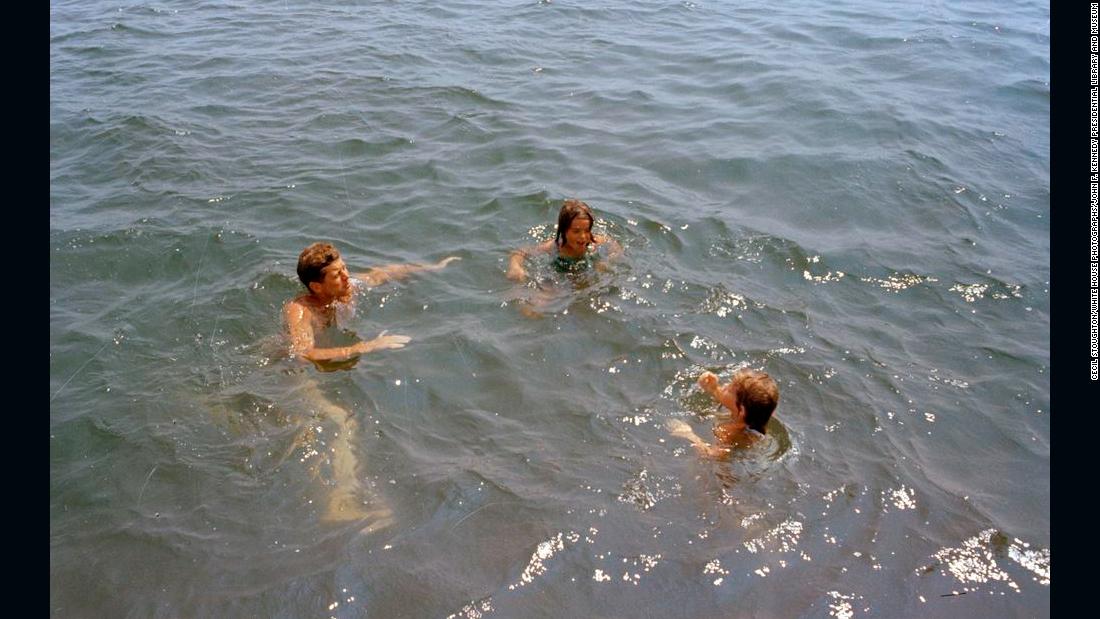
(852, 196)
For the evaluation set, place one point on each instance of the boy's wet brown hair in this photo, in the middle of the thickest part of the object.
(570, 210)
(313, 260)
(759, 394)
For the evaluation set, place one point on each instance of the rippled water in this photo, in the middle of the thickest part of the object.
(851, 196)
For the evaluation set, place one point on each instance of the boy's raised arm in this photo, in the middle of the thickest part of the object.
(708, 382)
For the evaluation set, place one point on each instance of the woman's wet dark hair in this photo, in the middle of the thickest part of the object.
(570, 210)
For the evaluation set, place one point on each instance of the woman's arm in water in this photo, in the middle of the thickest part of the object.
(380, 275)
(614, 249)
(516, 272)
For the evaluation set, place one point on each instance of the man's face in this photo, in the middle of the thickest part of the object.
(335, 281)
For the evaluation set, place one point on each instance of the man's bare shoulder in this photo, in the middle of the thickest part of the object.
(298, 308)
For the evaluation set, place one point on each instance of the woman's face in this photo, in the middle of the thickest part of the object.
(579, 234)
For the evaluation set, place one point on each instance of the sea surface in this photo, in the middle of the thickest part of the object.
(852, 196)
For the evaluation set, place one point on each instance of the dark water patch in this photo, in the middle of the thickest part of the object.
(75, 47)
(204, 65)
(153, 256)
(537, 204)
(127, 30)
(407, 173)
(216, 111)
(62, 32)
(95, 440)
(362, 148)
(129, 128)
(461, 97)
(72, 374)
(345, 121)
(1025, 95)
(461, 130)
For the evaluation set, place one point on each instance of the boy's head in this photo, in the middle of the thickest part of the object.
(758, 395)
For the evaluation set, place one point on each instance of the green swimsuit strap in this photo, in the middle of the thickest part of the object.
(566, 264)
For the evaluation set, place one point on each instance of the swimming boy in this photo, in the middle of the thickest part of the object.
(575, 244)
(751, 397)
(330, 286)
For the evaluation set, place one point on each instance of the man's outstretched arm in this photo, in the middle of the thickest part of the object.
(300, 327)
(383, 274)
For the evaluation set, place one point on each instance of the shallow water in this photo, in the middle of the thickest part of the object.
(853, 197)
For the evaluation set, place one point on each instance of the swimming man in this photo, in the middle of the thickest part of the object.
(330, 286)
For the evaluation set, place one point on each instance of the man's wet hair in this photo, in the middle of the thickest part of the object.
(570, 210)
(759, 394)
(313, 260)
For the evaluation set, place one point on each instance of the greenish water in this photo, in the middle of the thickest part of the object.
(853, 197)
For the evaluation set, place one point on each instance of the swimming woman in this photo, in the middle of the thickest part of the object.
(575, 246)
